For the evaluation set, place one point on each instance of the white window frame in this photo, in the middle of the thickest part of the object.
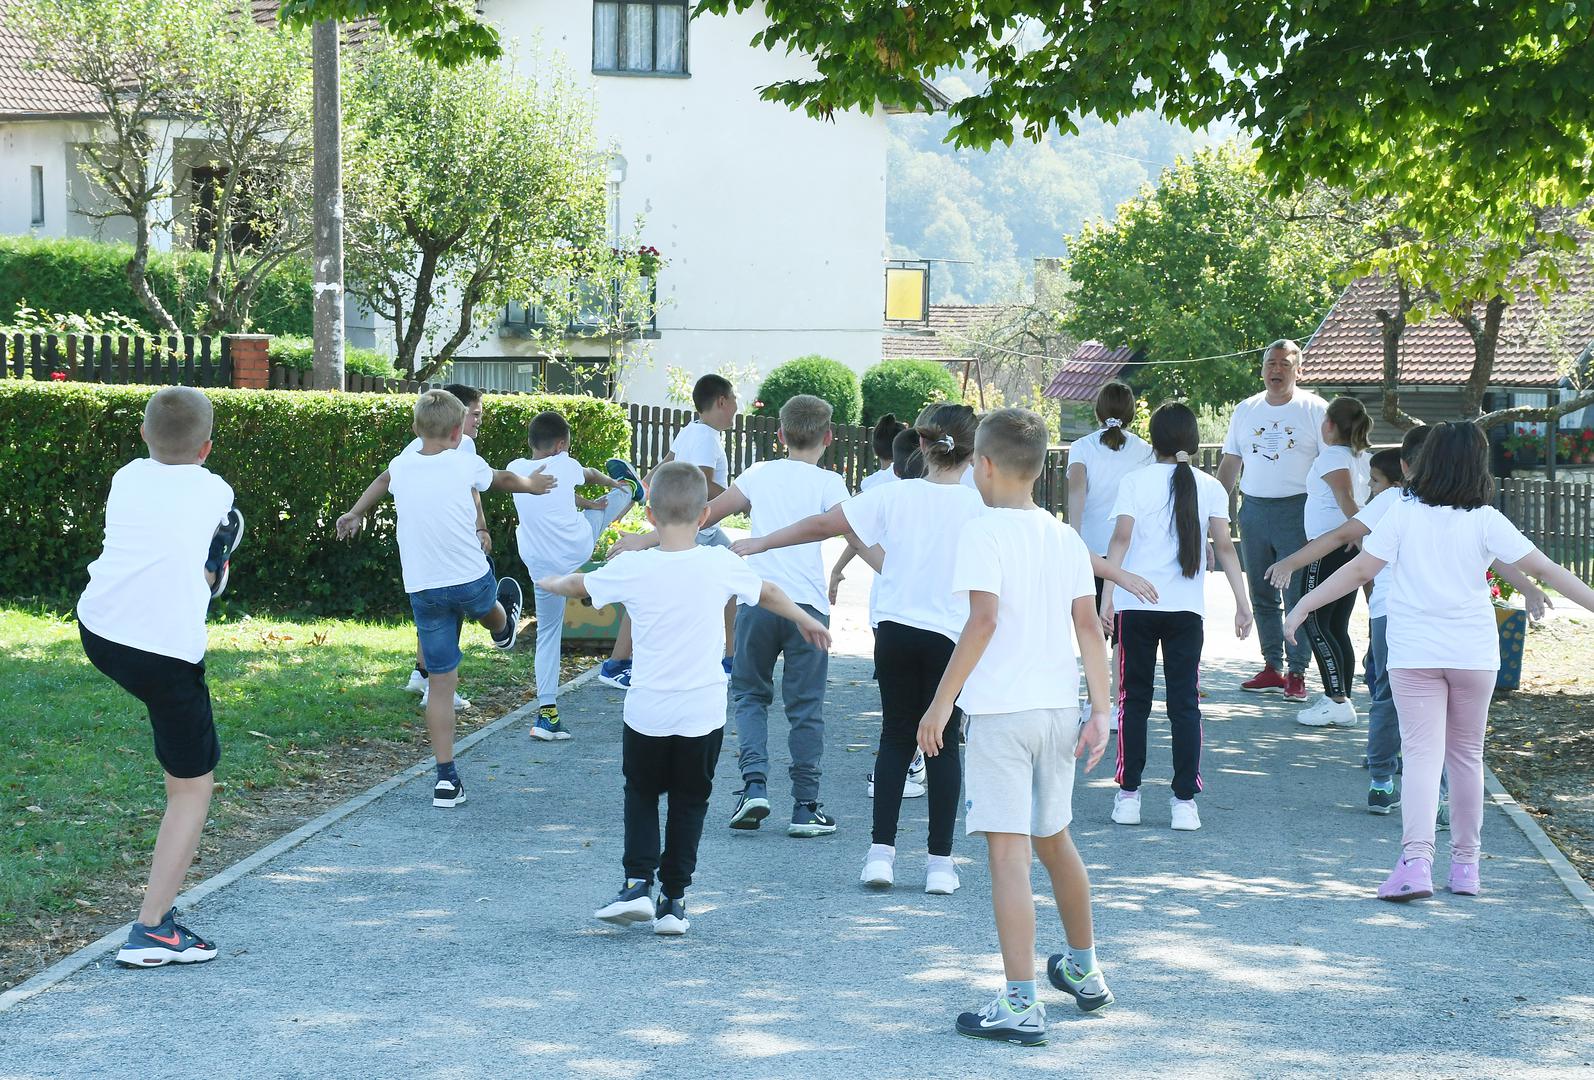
(622, 7)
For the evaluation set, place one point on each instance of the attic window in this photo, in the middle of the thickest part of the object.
(639, 38)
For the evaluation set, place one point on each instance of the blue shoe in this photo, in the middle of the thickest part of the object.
(634, 904)
(615, 673)
(1089, 990)
(752, 805)
(727, 663)
(547, 726)
(620, 469)
(168, 943)
(229, 534)
(807, 819)
(1000, 1022)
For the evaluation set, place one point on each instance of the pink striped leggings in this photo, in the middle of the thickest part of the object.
(1443, 712)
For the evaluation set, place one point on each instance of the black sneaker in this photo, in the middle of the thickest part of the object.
(169, 943)
(448, 792)
(633, 904)
(620, 469)
(1382, 798)
(229, 534)
(669, 917)
(752, 805)
(808, 820)
(1089, 990)
(510, 596)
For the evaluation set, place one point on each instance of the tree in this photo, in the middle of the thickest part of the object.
(446, 32)
(1201, 272)
(474, 185)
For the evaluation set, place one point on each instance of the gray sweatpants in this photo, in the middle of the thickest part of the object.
(1272, 529)
(761, 638)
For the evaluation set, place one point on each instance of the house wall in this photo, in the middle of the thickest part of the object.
(53, 145)
(1434, 404)
(773, 224)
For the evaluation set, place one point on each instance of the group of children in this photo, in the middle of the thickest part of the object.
(982, 603)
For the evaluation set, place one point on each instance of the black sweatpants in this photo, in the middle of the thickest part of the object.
(681, 767)
(1328, 628)
(909, 663)
(1180, 634)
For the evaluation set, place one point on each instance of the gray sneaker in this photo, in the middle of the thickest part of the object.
(1089, 990)
(752, 805)
(807, 819)
(1000, 1022)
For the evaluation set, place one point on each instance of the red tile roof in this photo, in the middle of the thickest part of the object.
(28, 91)
(1347, 350)
(1092, 366)
(948, 337)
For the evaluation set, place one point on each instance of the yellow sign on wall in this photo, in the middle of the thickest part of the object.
(905, 293)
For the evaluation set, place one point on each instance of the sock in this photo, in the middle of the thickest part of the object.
(422, 672)
(1082, 961)
(1386, 786)
(633, 882)
(446, 771)
(883, 851)
(1020, 995)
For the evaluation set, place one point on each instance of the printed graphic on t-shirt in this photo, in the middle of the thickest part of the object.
(1270, 441)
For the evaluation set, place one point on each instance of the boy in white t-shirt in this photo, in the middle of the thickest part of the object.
(675, 712)
(556, 535)
(1013, 675)
(446, 573)
(142, 623)
(700, 443)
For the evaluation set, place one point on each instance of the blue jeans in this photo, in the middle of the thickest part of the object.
(1383, 723)
(441, 613)
(761, 638)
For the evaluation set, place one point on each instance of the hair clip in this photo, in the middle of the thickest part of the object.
(945, 442)
(1113, 421)
(1182, 456)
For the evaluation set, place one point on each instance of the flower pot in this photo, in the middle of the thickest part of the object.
(1513, 627)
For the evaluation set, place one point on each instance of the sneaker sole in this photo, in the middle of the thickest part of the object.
(640, 910)
(878, 881)
(1263, 689)
(808, 832)
(1009, 1037)
(670, 926)
(149, 958)
(610, 680)
(1085, 1004)
(941, 890)
(549, 736)
(750, 814)
(1186, 828)
(1401, 898)
(1383, 811)
(448, 803)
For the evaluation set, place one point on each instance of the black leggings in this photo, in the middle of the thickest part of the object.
(1328, 628)
(909, 663)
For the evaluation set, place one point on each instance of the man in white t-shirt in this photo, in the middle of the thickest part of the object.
(675, 712)
(1270, 447)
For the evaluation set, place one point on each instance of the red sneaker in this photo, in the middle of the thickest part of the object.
(1294, 687)
(1266, 681)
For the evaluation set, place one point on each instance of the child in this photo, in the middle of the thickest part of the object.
(142, 623)
(778, 493)
(1027, 581)
(883, 440)
(1336, 489)
(1164, 514)
(675, 711)
(1444, 647)
(556, 535)
(446, 573)
(700, 443)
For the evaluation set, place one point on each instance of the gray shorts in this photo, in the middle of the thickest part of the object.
(1019, 771)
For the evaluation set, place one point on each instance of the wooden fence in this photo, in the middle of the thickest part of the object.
(749, 439)
(103, 358)
(287, 378)
(1557, 517)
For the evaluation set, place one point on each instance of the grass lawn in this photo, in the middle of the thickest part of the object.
(309, 713)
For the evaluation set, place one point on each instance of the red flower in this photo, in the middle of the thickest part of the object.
(58, 376)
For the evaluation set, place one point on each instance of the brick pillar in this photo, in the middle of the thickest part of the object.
(251, 366)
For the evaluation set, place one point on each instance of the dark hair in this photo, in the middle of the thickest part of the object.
(1115, 401)
(1350, 419)
(885, 433)
(1174, 431)
(468, 395)
(1453, 469)
(709, 389)
(546, 429)
(906, 461)
(1387, 462)
(1014, 440)
(946, 434)
(1411, 445)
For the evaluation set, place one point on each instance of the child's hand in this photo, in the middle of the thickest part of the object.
(1243, 621)
(1139, 588)
(750, 546)
(629, 542)
(815, 633)
(541, 482)
(1278, 575)
(350, 524)
(836, 578)
(1092, 738)
(1537, 602)
(1107, 612)
(1292, 623)
(485, 539)
(932, 727)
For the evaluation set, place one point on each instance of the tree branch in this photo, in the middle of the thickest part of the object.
(1535, 414)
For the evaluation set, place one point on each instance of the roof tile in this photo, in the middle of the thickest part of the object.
(948, 337)
(1092, 366)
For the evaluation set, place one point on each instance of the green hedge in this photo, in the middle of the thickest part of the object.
(296, 460)
(817, 375)
(78, 275)
(299, 353)
(904, 387)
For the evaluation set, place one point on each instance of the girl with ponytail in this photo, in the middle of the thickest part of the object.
(1163, 517)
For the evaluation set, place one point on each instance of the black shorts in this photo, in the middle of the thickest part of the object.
(176, 696)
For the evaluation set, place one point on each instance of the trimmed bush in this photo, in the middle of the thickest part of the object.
(816, 375)
(904, 387)
(295, 459)
(78, 275)
(299, 353)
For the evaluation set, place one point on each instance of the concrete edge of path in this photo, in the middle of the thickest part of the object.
(1563, 869)
(68, 966)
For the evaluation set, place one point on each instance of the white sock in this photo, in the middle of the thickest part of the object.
(942, 864)
(882, 853)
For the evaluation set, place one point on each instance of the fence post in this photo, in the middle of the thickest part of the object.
(251, 360)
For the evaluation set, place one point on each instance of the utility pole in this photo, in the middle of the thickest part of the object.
(327, 208)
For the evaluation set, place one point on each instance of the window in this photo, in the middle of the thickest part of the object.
(639, 38)
(38, 194)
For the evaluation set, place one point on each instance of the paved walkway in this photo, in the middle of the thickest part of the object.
(406, 941)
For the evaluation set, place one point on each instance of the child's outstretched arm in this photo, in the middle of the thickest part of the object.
(538, 483)
(773, 599)
(1556, 577)
(1353, 575)
(1533, 597)
(818, 527)
(1134, 583)
(354, 520)
(1078, 487)
(1093, 657)
(572, 586)
(728, 502)
(1122, 532)
(1229, 559)
(971, 646)
(1279, 574)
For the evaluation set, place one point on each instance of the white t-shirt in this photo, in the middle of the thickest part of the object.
(1037, 567)
(1370, 515)
(437, 517)
(1322, 509)
(1147, 496)
(676, 600)
(1276, 443)
(967, 479)
(1104, 470)
(466, 443)
(917, 523)
(700, 445)
(553, 536)
(783, 492)
(875, 479)
(1439, 611)
(147, 589)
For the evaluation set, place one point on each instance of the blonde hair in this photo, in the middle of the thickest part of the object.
(678, 493)
(437, 414)
(946, 434)
(177, 424)
(804, 419)
(1014, 440)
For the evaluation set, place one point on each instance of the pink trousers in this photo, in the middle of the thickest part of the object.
(1443, 713)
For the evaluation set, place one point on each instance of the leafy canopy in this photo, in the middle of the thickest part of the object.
(445, 32)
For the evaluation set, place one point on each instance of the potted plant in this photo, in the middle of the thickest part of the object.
(1521, 447)
(1512, 625)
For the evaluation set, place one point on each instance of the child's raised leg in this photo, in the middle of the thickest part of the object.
(187, 806)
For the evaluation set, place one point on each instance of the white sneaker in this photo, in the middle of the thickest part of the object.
(941, 879)
(879, 869)
(460, 704)
(417, 683)
(1126, 808)
(1314, 714)
(1186, 818)
(911, 788)
(916, 772)
(1329, 713)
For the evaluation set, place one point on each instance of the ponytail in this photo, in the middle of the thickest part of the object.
(1175, 434)
(1115, 410)
(946, 435)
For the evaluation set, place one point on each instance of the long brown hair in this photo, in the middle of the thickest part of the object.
(1115, 401)
(1350, 419)
(1174, 431)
